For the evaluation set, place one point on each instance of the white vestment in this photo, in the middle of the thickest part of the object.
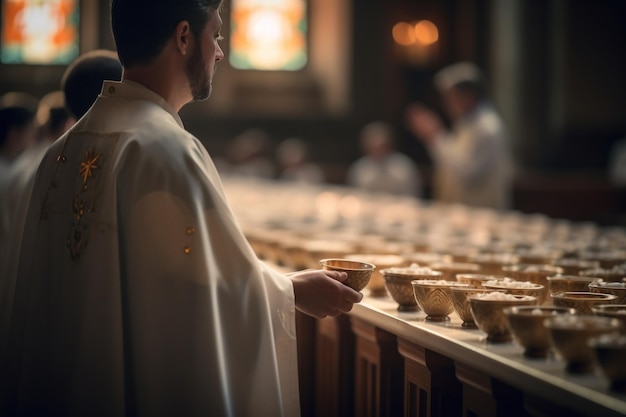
(396, 173)
(137, 293)
(473, 165)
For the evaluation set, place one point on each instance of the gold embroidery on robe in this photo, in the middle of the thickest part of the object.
(82, 206)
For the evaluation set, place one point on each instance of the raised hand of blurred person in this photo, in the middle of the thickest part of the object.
(424, 123)
(321, 293)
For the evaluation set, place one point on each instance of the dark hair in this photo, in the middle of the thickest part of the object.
(82, 80)
(17, 110)
(142, 27)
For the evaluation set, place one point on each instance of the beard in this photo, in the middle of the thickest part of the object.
(198, 76)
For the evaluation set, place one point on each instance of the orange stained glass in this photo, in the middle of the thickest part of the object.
(39, 31)
(268, 34)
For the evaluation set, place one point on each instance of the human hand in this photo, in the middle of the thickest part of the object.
(424, 123)
(320, 293)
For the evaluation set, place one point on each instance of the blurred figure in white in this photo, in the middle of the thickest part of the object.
(294, 162)
(472, 162)
(382, 168)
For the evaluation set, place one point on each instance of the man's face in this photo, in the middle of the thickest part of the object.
(206, 53)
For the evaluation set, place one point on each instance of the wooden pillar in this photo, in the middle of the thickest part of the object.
(334, 368)
(378, 372)
(484, 396)
(430, 385)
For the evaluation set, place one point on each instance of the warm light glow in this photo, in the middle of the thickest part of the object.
(268, 34)
(39, 32)
(426, 32)
(403, 33)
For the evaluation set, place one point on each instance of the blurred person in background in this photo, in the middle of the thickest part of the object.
(294, 162)
(472, 161)
(382, 168)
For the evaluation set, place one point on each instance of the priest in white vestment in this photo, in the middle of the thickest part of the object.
(137, 293)
(472, 161)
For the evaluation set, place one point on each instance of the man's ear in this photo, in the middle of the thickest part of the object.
(183, 37)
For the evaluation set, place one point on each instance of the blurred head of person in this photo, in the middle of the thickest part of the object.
(53, 117)
(18, 130)
(462, 87)
(377, 140)
(82, 80)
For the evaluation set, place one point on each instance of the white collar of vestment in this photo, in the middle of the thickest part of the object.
(133, 90)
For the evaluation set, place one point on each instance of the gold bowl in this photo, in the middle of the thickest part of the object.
(450, 270)
(573, 266)
(494, 263)
(434, 297)
(615, 274)
(489, 317)
(616, 311)
(398, 284)
(526, 323)
(616, 288)
(359, 273)
(563, 283)
(535, 273)
(518, 288)
(569, 336)
(460, 302)
(581, 301)
(476, 280)
(609, 351)
(376, 285)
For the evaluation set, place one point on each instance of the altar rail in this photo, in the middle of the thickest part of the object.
(376, 361)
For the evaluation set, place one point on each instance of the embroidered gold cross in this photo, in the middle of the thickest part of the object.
(88, 165)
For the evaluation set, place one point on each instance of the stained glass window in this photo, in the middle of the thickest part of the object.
(268, 34)
(39, 31)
